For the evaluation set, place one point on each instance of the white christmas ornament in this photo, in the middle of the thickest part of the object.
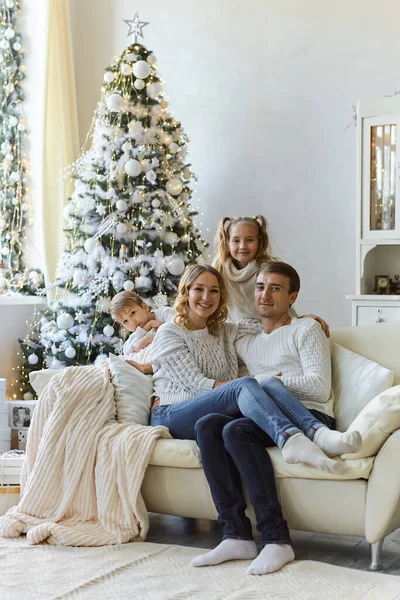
(65, 321)
(108, 330)
(171, 238)
(128, 286)
(121, 205)
(137, 197)
(4, 44)
(56, 364)
(28, 396)
(118, 281)
(176, 266)
(10, 3)
(90, 245)
(17, 46)
(122, 228)
(151, 59)
(174, 187)
(141, 69)
(125, 69)
(139, 84)
(156, 203)
(9, 33)
(146, 165)
(144, 283)
(33, 275)
(109, 77)
(33, 359)
(133, 168)
(14, 177)
(12, 121)
(173, 148)
(154, 90)
(70, 352)
(114, 102)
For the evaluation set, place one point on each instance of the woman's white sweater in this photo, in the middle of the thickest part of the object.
(188, 363)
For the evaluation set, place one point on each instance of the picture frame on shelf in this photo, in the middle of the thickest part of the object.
(20, 413)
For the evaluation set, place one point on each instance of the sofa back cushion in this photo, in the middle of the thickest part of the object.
(355, 381)
(132, 391)
(380, 343)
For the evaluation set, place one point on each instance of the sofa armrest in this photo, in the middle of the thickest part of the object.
(382, 510)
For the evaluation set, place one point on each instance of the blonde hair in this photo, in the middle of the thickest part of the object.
(222, 240)
(124, 300)
(215, 321)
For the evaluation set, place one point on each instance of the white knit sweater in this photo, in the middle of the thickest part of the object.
(187, 363)
(301, 352)
(241, 284)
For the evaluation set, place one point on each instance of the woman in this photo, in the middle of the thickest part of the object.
(198, 396)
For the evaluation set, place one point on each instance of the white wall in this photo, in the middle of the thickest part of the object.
(264, 90)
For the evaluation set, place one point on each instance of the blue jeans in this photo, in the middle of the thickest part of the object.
(270, 405)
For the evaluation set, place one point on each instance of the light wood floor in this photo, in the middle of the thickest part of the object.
(352, 552)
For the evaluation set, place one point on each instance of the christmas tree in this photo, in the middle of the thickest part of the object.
(15, 276)
(129, 218)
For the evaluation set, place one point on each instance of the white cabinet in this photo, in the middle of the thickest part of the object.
(377, 297)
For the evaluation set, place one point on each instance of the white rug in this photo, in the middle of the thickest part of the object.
(160, 572)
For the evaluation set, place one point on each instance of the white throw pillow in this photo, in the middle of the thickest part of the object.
(132, 392)
(376, 422)
(39, 379)
(355, 381)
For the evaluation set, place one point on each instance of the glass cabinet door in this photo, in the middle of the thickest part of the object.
(380, 188)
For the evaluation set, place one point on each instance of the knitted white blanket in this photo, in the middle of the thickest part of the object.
(83, 471)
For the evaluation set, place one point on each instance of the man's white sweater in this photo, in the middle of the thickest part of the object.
(301, 352)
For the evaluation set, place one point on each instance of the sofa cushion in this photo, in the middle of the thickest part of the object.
(355, 380)
(176, 453)
(377, 420)
(132, 391)
(185, 454)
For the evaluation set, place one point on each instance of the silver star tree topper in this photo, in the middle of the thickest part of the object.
(135, 27)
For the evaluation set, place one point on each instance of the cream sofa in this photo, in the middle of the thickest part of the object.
(364, 502)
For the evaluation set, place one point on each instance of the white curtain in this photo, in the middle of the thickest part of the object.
(51, 114)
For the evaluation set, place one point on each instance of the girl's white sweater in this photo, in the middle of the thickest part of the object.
(241, 284)
(187, 363)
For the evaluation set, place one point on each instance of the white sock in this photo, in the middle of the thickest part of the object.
(228, 549)
(335, 442)
(299, 449)
(271, 558)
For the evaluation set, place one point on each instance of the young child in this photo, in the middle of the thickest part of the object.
(242, 247)
(130, 311)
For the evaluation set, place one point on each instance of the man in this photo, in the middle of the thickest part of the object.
(289, 357)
